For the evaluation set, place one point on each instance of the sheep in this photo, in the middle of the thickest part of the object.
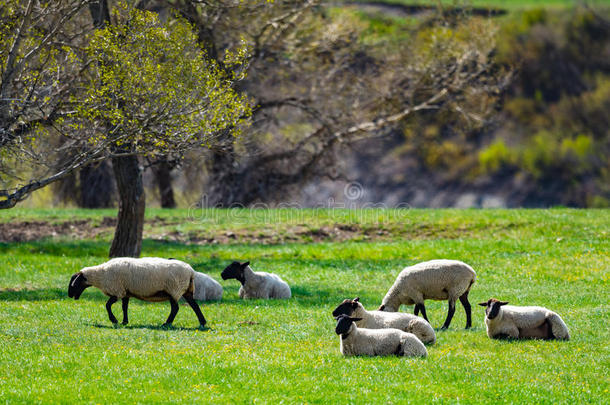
(206, 288)
(376, 342)
(256, 284)
(509, 321)
(148, 279)
(383, 320)
(436, 280)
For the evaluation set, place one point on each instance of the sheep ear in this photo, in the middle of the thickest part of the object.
(357, 299)
(483, 304)
(381, 307)
(75, 278)
(502, 303)
(245, 264)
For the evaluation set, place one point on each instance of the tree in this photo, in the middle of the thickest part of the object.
(146, 89)
(319, 88)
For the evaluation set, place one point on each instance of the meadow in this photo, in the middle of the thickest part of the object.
(497, 4)
(54, 349)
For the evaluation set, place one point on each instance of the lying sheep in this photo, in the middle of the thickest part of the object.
(256, 284)
(435, 280)
(148, 279)
(508, 321)
(206, 288)
(383, 320)
(376, 342)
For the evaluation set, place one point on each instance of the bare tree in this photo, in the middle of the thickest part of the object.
(318, 88)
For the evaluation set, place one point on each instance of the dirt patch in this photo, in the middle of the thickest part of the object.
(160, 229)
(25, 231)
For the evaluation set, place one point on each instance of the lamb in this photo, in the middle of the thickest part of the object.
(206, 288)
(436, 280)
(256, 284)
(376, 342)
(383, 320)
(148, 279)
(508, 321)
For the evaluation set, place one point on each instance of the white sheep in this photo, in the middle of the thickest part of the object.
(509, 321)
(206, 288)
(383, 320)
(376, 342)
(256, 284)
(435, 280)
(148, 279)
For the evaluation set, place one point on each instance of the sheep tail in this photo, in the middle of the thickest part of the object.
(191, 287)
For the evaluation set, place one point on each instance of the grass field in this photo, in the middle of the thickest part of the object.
(54, 349)
(501, 4)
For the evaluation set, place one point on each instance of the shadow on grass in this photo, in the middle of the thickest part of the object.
(150, 327)
(44, 294)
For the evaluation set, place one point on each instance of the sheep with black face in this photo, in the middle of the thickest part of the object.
(148, 279)
(432, 280)
(509, 321)
(383, 320)
(376, 342)
(256, 284)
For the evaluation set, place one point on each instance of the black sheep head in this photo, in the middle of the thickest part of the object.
(492, 307)
(235, 270)
(78, 283)
(347, 307)
(344, 322)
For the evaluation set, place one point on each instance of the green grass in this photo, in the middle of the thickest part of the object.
(501, 4)
(53, 349)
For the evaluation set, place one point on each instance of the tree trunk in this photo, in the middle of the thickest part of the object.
(222, 187)
(162, 172)
(97, 190)
(127, 240)
(99, 13)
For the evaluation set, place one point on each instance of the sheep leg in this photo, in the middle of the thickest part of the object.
(449, 314)
(172, 313)
(109, 303)
(191, 301)
(125, 304)
(467, 309)
(421, 307)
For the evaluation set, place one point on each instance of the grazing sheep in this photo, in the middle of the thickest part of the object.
(435, 280)
(376, 342)
(148, 279)
(206, 288)
(509, 321)
(256, 284)
(384, 320)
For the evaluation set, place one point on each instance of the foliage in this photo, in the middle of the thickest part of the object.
(153, 88)
(553, 118)
(137, 86)
(53, 348)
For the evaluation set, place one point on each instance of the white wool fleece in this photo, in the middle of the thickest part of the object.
(259, 284)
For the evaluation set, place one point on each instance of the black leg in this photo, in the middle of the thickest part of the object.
(172, 313)
(191, 301)
(467, 309)
(422, 308)
(125, 303)
(449, 315)
(109, 303)
(416, 311)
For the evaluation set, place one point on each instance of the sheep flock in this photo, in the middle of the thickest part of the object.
(385, 331)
